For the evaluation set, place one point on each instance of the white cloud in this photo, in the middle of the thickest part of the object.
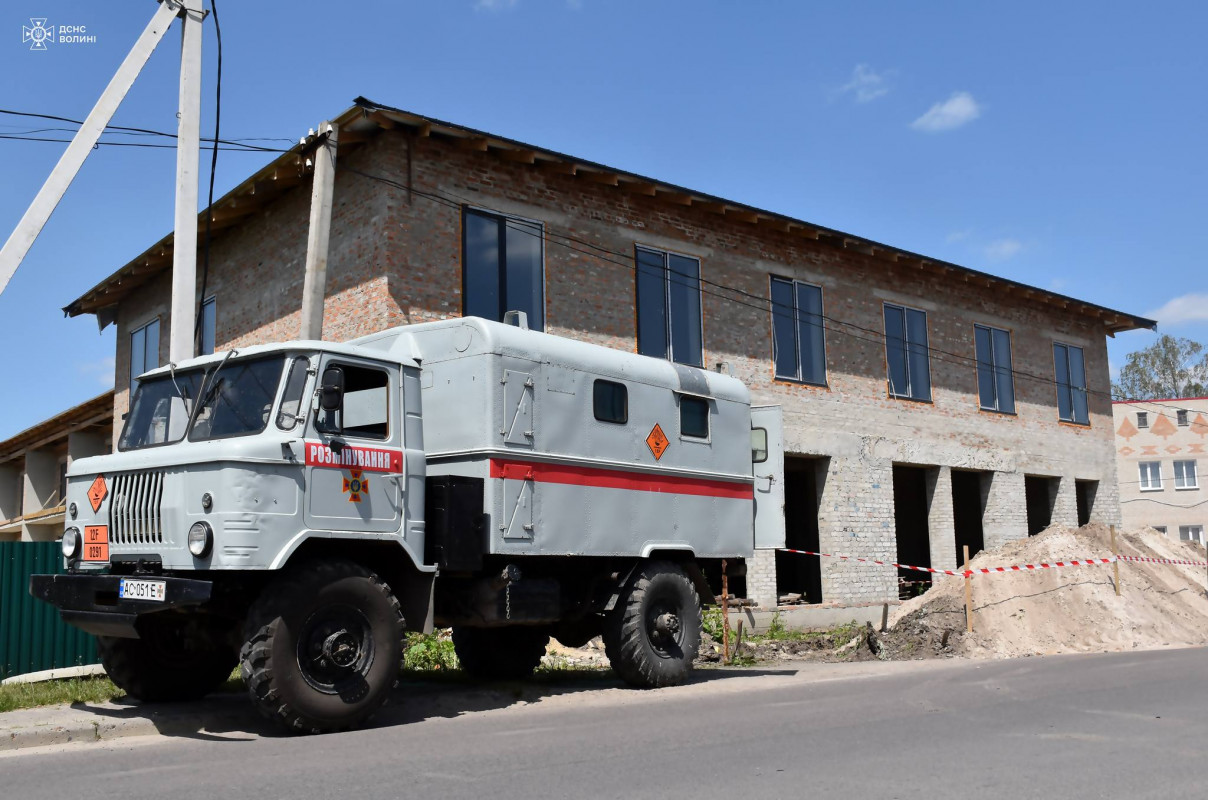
(866, 84)
(1002, 249)
(101, 371)
(958, 236)
(1185, 308)
(1057, 284)
(954, 112)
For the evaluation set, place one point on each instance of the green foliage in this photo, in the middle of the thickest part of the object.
(711, 622)
(49, 693)
(1170, 367)
(431, 652)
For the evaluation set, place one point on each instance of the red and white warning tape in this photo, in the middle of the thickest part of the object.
(1144, 560)
(1082, 562)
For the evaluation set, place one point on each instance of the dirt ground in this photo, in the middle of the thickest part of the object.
(1040, 612)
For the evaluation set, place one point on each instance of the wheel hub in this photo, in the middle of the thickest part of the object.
(667, 625)
(342, 649)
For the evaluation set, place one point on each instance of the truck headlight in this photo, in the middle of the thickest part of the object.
(71, 543)
(201, 539)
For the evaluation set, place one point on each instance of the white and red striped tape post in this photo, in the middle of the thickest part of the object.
(968, 573)
(1145, 560)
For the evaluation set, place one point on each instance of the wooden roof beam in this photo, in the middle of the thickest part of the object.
(741, 214)
(476, 143)
(606, 178)
(518, 156)
(674, 197)
(560, 167)
(639, 187)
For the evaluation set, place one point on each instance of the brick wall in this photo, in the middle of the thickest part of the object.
(395, 258)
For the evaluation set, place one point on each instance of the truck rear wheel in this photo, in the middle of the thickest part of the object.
(500, 654)
(324, 647)
(175, 659)
(653, 636)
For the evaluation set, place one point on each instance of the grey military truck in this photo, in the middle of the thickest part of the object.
(296, 508)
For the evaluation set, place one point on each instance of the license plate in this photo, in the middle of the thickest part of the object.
(130, 589)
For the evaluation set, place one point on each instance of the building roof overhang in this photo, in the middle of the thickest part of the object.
(365, 119)
(92, 412)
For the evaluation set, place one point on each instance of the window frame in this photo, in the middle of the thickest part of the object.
(794, 284)
(1197, 529)
(1195, 475)
(595, 409)
(1142, 420)
(212, 303)
(1182, 417)
(1146, 480)
(994, 368)
(303, 406)
(708, 404)
(336, 362)
(1160, 529)
(668, 323)
(210, 371)
(1070, 386)
(133, 377)
(503, 219)
(906, 346)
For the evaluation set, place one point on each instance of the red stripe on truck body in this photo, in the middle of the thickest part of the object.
(601, 478)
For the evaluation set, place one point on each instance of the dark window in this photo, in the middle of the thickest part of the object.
(798, 342)
(291, 399)
(906, 353)
(694, 417)
(63, 481)
(1070, 374)
(1142, 419)
(1181, 416)
(610, 402)
(668, 291)
(995, 384)
(160, 410)
(208, 321)
(502, 267)
(237, 399)
(365, 412)
(144, 350)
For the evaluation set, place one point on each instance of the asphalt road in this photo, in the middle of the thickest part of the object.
(1115, 726)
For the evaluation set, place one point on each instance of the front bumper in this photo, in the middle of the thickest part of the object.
(91, 602)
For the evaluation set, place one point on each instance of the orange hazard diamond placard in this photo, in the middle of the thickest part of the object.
(97, 492)
(657, 442)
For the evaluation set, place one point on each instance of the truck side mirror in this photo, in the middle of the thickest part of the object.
(331, 391)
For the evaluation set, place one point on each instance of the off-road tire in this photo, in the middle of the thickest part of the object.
(640, 653)
(290, 619)
(500, 654)
(176, 659)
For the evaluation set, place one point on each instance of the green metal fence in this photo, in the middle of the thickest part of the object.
(32, 637)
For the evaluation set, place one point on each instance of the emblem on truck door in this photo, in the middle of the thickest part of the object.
(97, 492)
(355, 485)
(657, 442)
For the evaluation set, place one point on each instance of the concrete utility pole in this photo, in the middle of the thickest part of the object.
(314, 284)
(181, 343)
(85, 139)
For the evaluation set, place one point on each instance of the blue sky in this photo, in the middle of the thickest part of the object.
(1057, 144)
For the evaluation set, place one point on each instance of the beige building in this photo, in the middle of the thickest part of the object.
(33, 468)
(1161, 459)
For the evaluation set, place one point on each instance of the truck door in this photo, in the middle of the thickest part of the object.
(767, 455)
(352, 490)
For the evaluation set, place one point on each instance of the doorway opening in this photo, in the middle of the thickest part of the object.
(910, 505)
(1039, 495)
(797, 574)
(1085, 492)
(969, 492)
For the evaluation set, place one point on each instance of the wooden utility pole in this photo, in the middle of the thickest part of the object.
(314, 284)
(968, 592)
(1116, 563)
(725, 615)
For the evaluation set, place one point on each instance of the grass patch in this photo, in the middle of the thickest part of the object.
(49, 693)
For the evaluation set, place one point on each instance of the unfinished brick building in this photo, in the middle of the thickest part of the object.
(926, 405)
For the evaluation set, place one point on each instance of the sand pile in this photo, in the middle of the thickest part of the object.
(1068, 610)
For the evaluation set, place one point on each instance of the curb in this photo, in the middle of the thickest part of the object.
(86, 671)
(65, 724)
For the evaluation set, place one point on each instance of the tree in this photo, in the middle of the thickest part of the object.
(1170, 367)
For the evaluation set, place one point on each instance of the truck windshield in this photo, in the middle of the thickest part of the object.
(159, 413)
(237, 399)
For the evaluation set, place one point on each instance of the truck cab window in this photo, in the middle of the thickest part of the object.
(237, 399)
(291, 399)
(610, 402)
(365, 412)
(694, 417)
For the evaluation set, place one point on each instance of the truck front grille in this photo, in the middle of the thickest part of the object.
(134, 513)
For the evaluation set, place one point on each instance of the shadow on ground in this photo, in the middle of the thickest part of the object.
(229, 716)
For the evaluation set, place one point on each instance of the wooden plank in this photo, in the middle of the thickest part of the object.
(674, 197)
(606, 178)
(560, 167)
(639, 187)
(518, 156)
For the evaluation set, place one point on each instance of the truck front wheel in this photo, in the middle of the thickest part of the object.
(652, 637)
(175, 658)
(324, 647)
(500, 654)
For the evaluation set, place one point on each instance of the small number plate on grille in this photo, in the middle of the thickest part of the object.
(130, 589)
